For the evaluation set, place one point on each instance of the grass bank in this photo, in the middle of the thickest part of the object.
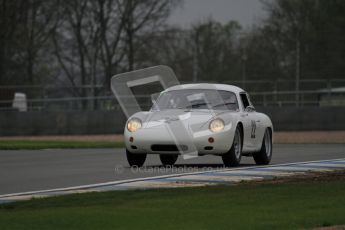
(115, 140)
(56, 144)
(291, 205)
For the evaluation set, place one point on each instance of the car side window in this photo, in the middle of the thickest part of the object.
(244, 99)
(249, 101)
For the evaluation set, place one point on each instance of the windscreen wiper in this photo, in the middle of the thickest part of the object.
(196, 105)
(224, 104)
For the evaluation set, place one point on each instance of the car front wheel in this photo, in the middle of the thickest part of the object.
(168, 159)
(135, 159)
(233, 157)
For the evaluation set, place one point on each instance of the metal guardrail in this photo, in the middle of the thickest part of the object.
(316, 92)
(278, 98)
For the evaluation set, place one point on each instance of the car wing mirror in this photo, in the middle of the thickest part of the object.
(250, 108)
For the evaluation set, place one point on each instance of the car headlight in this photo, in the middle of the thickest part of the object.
(134, 125)
(216, 125)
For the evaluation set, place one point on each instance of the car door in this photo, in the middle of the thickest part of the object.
(249, 123)
(258, 127)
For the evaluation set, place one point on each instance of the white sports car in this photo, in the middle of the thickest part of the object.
(200, 119)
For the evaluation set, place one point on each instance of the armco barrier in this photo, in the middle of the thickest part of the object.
(306, 118)
(14, 123)
(61, 123)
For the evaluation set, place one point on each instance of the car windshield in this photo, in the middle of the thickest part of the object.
(196, 99)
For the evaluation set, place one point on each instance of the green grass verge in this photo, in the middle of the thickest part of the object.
(259, 206)
(33, 144)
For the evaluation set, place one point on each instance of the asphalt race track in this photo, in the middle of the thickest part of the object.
(24, 170)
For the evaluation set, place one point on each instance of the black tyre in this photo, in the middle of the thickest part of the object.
(168, 159)
(135, 159)
(233, 157)
(264, 156)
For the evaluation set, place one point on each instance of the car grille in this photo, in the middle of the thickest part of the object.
(168, 148)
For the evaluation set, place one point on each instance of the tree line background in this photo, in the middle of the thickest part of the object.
(85, 42)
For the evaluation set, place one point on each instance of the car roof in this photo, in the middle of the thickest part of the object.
(225, 87)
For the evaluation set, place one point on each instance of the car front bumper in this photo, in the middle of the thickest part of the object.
(165, 141)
